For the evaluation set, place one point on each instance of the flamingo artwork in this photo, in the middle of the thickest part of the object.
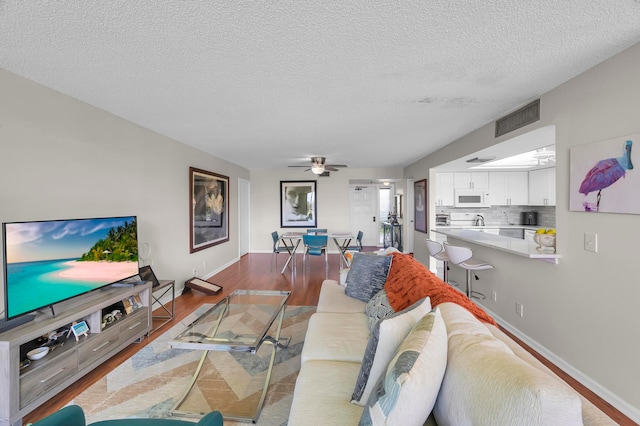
(605, 173)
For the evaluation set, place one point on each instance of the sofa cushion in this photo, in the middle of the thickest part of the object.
(407, 392)
(487, 384)
(333, 299)
(335, 337)
(409, 281)
(378, 308)
(367, 275)
(384, 340)
(322, 394)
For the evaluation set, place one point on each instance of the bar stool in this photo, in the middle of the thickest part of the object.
(437, 252)
(463, 257)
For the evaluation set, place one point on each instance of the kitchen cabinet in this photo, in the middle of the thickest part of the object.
(471, 180)
(542, 187)
(444, 189)
(509, 188)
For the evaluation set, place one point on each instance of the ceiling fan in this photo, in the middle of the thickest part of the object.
(318, 166)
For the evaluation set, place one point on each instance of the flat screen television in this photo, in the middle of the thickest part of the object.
(47, 262)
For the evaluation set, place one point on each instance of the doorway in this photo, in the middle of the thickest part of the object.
(363, 213)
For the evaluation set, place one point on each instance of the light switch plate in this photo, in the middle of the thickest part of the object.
(591, 242)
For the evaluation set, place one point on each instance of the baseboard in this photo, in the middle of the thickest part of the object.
(604, 393)
(220, 268)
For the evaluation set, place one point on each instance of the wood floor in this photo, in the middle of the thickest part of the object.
(254, 272)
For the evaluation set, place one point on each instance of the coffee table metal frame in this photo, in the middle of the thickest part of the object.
(210, 341)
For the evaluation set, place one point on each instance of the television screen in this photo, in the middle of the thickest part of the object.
(46, 262)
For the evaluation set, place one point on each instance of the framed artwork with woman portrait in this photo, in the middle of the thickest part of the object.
(420, 205)
(208, 209)
(298, 207)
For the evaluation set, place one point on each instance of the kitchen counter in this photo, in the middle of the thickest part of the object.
(515, 246)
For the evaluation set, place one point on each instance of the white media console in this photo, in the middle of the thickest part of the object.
(23, 390)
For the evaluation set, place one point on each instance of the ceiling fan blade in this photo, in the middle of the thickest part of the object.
(331, 168)
(298, 166)
(336, 165)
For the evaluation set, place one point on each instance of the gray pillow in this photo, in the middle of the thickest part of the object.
(378, 308)
(384, 340)
(367, 275)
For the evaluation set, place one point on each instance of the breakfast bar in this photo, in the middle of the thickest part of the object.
(516, 246)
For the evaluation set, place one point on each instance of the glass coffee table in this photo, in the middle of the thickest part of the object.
(240, 322)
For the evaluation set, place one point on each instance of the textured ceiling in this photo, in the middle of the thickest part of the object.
(271, 83)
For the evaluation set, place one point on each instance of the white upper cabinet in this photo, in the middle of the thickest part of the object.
(471, 180)
(542, 187)
(444, 189)
(509, 188)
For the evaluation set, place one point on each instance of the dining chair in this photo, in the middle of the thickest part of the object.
(358, 245)
(316, 245)
(279, 246)
(316, 231)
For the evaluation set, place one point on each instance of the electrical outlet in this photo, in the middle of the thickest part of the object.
(195, 272)
(591, 242)
(519, 309)
(494, 295)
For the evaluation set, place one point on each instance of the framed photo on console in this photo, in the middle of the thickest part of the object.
(208, 209)
(147, 274)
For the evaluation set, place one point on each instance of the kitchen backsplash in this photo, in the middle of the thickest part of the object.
(494, 216)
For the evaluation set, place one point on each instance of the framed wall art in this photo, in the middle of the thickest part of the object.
(602, 178)
(298, 207)
(208, 209)
(420, 205)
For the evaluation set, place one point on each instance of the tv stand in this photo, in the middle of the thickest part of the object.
(24, 389)
(15, 322)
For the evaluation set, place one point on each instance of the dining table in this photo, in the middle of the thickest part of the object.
(342, 240)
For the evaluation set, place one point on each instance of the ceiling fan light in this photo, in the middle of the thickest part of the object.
(317, 169)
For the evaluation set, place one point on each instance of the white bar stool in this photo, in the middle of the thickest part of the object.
(436, 251)
(463, 257)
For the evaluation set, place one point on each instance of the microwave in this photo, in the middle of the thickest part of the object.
(471, 198)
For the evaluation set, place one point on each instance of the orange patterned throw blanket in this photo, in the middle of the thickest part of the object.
(409, 281)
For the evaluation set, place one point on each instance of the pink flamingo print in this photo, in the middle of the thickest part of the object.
(606, 172)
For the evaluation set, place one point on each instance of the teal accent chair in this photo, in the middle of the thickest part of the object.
(358, 246)
(72, 415)
(316, 245)
(279, 246)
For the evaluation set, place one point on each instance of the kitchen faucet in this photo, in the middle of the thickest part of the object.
(507, 216)
(479, 220)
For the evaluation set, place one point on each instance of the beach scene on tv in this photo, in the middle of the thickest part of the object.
(47, 262)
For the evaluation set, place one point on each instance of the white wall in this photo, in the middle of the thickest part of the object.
(332, 199)
(63, 159)
(582, 313)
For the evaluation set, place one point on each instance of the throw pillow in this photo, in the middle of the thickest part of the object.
(406, 394)
(367, 275)
(409, 281)
(378, 307)
(384, 339)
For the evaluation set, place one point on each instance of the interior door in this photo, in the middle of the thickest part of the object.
(364, 213)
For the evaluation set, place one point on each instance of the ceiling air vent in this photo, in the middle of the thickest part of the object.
(520, 118)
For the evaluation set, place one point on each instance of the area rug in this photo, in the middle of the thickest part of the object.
(149, 383)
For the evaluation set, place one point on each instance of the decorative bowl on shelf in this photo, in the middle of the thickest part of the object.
(545, 241)
(38, 353)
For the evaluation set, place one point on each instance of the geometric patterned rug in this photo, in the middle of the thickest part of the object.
(149, 383)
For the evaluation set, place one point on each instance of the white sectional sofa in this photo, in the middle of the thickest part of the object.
(487, 379)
